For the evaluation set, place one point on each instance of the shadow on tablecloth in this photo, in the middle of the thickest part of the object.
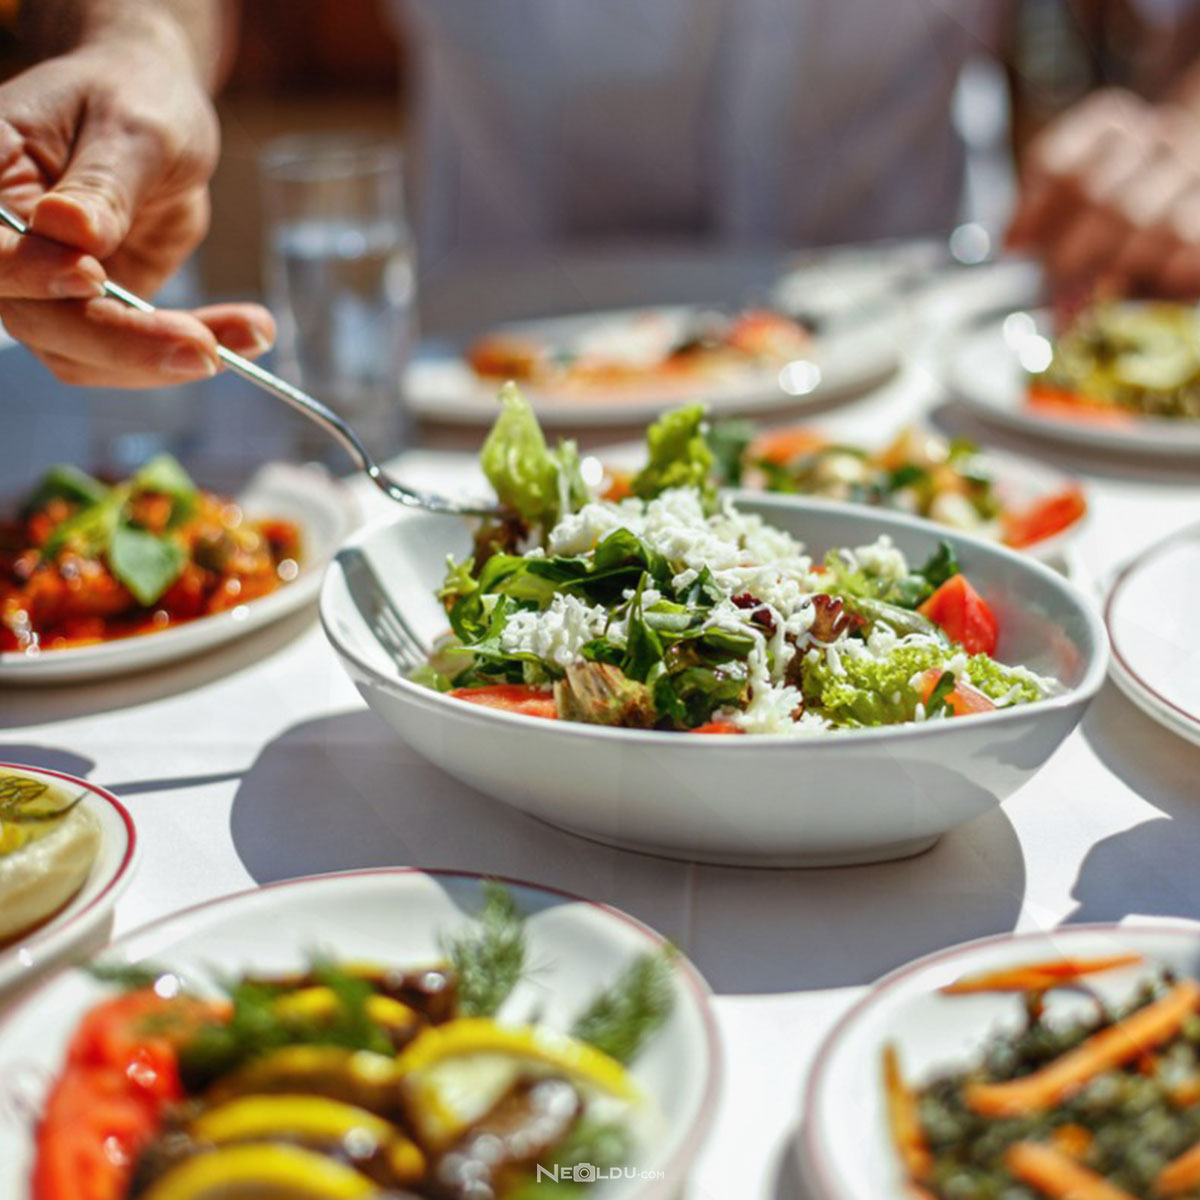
(1150, 869)
(343, 792)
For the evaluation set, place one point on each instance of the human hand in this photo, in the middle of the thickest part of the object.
(1110, 199)
(106, 151)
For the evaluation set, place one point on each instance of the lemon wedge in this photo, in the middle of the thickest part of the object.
(454, 1073)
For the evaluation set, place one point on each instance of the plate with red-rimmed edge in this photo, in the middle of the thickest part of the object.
(1150, 616)
(398, 916)
(83, 916)
(845, 1148)
(325, 514)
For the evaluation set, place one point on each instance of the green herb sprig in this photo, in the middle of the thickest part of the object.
(621, 1019)
(489, 961)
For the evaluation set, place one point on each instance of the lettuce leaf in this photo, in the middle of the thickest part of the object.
(536, 483)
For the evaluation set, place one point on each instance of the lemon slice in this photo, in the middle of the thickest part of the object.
(454, 1073)
(285, 1172)
(309, 1119)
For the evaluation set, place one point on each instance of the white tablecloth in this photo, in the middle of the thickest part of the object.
(261, 762)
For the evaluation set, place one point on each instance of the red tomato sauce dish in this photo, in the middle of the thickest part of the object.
(82, 561)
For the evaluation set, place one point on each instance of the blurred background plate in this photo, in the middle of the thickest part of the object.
(846, 360)
(1151, 619)
(984, 369)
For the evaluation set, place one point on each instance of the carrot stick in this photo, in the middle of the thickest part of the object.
(1036, 977)
(1180, 1174)
(1044, 1088)
(1057, 1176)
(904, 1120)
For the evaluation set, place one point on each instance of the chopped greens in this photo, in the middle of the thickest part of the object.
(668, 610)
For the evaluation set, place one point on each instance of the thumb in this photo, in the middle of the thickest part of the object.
(93, 204)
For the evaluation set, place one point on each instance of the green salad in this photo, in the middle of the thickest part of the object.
(671, 609)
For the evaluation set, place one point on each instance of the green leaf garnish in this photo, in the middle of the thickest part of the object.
(146, 563)
(940, 566)
(65, 482)
(621, 1019)
(489, 961)
(129, 977)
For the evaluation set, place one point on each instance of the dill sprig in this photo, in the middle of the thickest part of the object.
(489, 962)
(621, 1019)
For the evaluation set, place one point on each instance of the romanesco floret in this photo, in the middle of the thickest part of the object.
(870, 691)
(1002, 683)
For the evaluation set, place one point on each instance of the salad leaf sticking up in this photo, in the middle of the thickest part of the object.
(123, 524)
(534, 482)
(621, 1019)
(679, 456)
(489, 962)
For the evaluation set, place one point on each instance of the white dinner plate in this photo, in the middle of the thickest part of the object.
(440, 385)
(325, 513)
(984, 369)
(845, 1149)
(1151, 617)
(399, 916)
(87, 910)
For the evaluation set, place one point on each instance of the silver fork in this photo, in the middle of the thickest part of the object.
(320, 414)
(389, 625)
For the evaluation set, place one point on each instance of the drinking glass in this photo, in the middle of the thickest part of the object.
(339, 278)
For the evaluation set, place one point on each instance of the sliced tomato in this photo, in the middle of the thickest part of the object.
(963, 615)
(782, 446)
(721, 727)
(1043, 519)
(962, 700)
(511, 697)
(1056, 402)
(107, 1105)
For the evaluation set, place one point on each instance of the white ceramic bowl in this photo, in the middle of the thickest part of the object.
(397, 916)
(858, 796)
(325, 513)
(846, 1151)
(81, 921)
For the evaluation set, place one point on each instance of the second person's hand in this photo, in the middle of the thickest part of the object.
(1110, 199)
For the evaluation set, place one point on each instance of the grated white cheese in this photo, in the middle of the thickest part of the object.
(556, 635)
